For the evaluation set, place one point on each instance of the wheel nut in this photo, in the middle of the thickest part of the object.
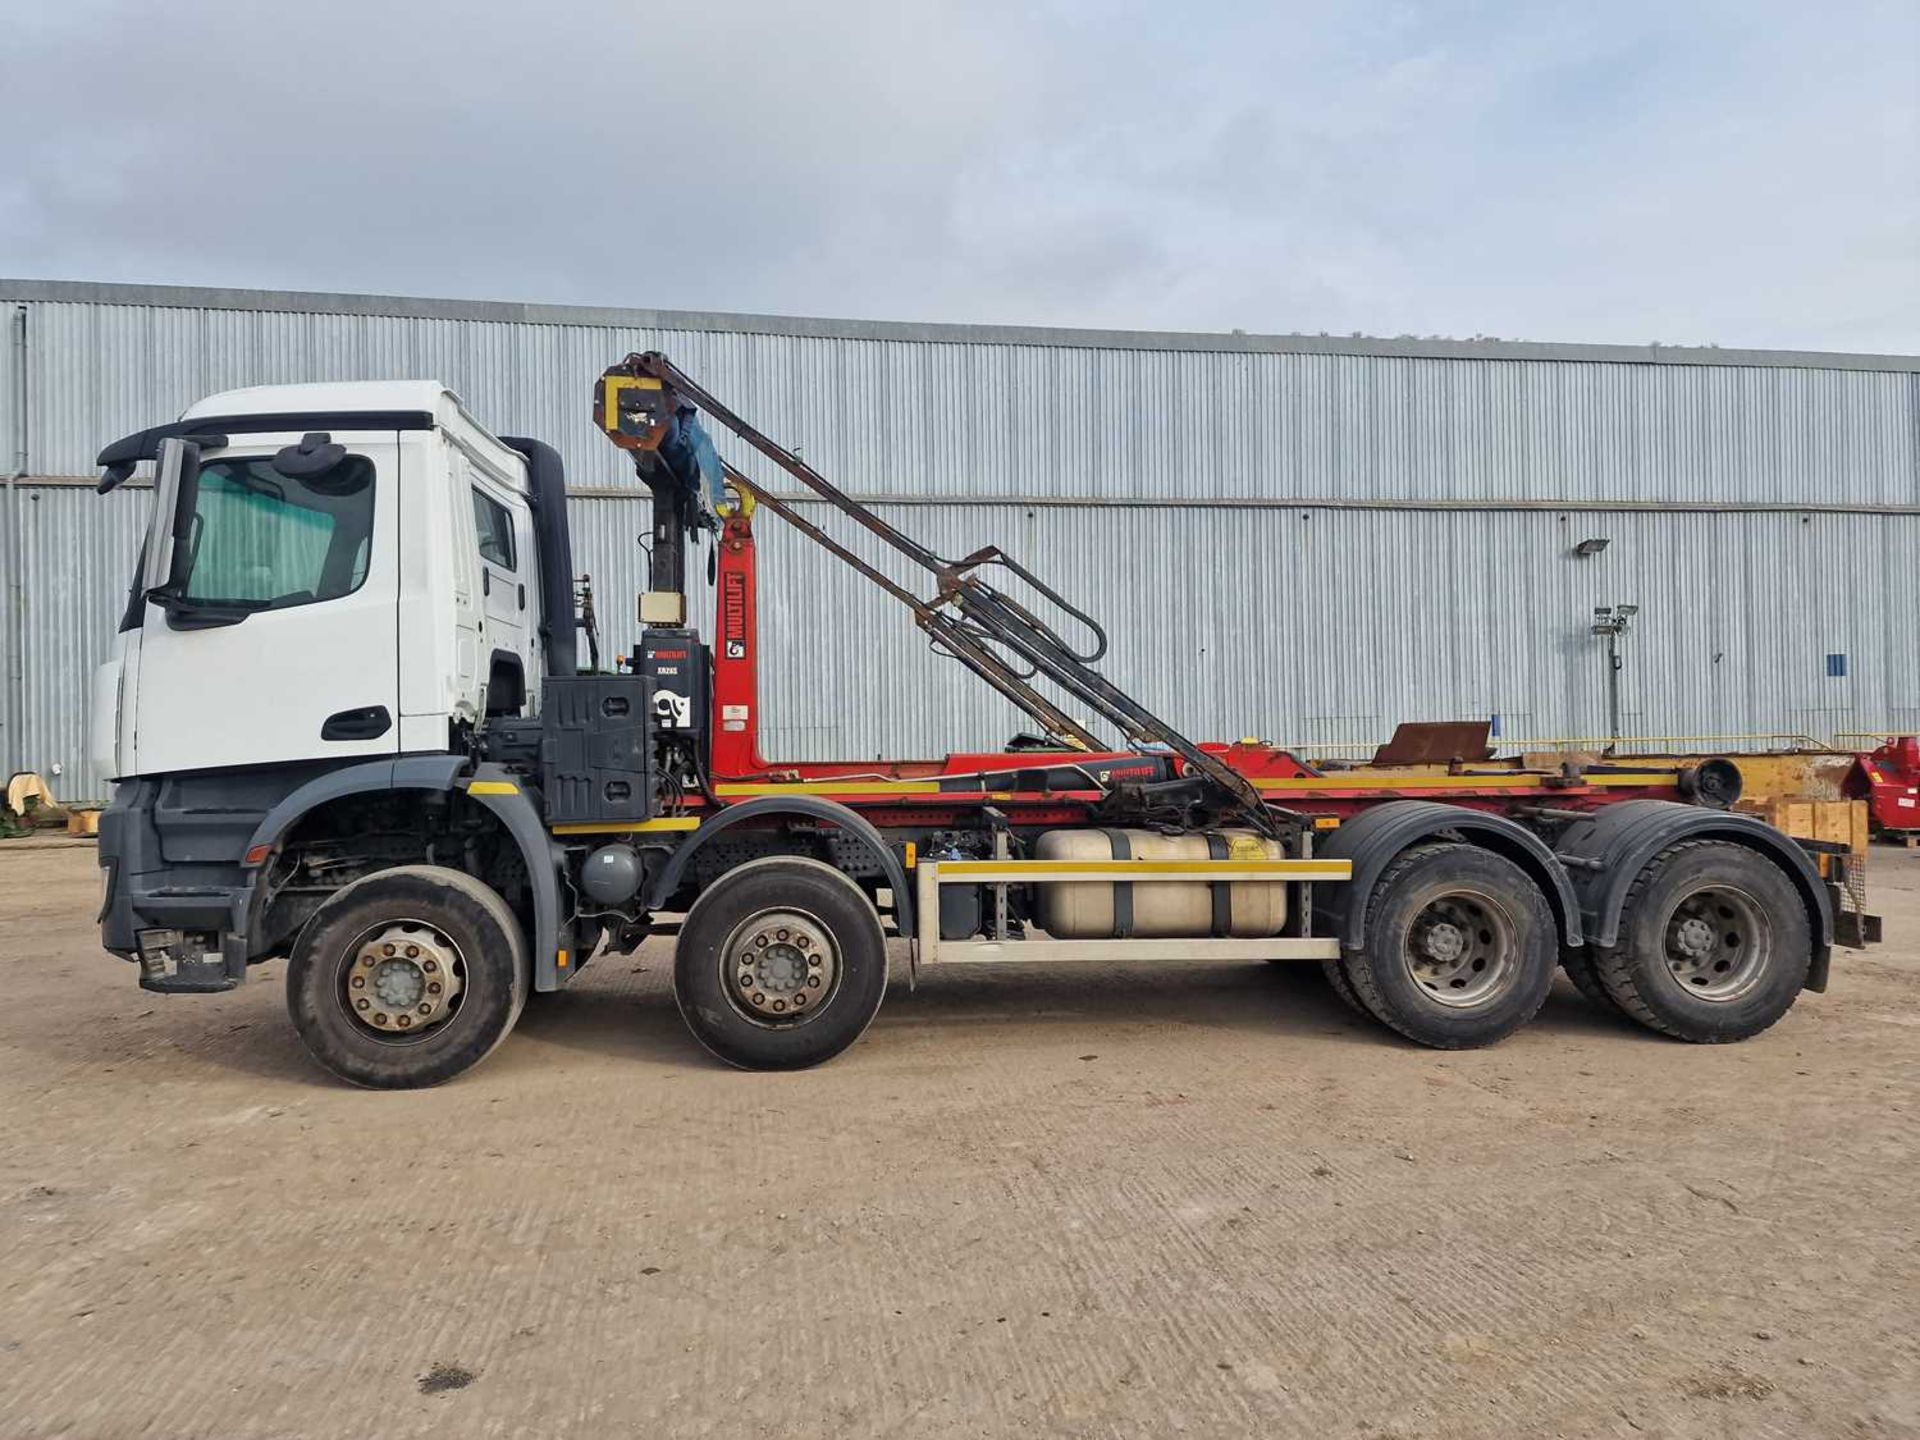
(813, 982)
(386, 949)
(431, 966)
(758, 998)
(405, 1020)
(426, 1009)
(359, 982)
(379, 1017)
(413, 952)
(367, 960)
(801, 941)
(434, 988)
(780, 934)
(361, 1003)
(779, 1004)
(798, 1001)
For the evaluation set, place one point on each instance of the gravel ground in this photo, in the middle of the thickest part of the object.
(1077, 1201)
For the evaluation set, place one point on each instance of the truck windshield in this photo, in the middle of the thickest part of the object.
(270, 541)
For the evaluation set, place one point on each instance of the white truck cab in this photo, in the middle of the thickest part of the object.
(330, 571)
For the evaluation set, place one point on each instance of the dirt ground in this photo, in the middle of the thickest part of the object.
(1153, 1201)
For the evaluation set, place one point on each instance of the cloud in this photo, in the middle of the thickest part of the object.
(1733, 173)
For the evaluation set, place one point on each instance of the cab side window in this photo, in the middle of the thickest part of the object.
(494, 526)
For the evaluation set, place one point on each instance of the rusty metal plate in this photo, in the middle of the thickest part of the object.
(1436, 742)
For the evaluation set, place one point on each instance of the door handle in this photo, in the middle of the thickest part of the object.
(369, 722)
(523, 595)
(486, 581)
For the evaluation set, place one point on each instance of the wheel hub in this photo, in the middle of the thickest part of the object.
(1717, 943)
(780, 967)
(404, 978)
(1445, 942)
(1461, 949)
(1694, 937)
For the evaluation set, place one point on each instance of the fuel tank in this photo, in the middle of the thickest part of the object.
(1087, 910)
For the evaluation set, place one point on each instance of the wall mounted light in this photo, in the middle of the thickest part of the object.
(1592, 547)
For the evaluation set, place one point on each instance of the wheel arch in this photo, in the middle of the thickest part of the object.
(496, 790)
(1372, 839)
(1624, 837)
(791, 807)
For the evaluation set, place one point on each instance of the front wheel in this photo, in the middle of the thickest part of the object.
(781, 964)
(1460, 947)
(1714, 944)
(408, 977)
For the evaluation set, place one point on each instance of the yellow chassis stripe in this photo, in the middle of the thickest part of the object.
(631, 827)
(493, 787)
(1144, 869)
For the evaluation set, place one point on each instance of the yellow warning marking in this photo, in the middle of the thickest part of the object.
(1147, 869)
(850, 786)
(631, 827)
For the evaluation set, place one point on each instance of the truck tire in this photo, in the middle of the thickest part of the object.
(781, 964)
(1337, 981)
(1577, 961)
(1714, 944)
(408, 977)
(1460, 947)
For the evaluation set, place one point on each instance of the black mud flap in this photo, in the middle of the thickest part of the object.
(1855, 930)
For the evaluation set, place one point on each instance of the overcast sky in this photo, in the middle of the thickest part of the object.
(1741, 172)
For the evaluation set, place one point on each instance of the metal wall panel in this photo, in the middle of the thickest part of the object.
(996, 420)
(78, 550)
(10, 376)
(1332, 625)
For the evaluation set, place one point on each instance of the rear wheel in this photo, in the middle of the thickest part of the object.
(1460, 947)
(1578, 963)
(408, 977)
(1714, 944)
(1337, 981)
(781, 964)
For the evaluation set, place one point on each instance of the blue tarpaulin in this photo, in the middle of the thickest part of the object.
(691, 459)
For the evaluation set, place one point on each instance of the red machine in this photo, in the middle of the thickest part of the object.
(1893, 772)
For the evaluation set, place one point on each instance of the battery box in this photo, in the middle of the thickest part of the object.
(596, 748)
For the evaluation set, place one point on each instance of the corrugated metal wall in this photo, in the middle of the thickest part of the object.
(1329, 542)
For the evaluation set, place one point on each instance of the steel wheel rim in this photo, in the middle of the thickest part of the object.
(1461, 949)
(780, 967)
(401, 981)
(1716, 943)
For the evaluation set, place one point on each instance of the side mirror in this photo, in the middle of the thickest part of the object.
(314, 456)
(176, 489)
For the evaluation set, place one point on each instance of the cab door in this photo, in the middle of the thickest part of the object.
(269, 626)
